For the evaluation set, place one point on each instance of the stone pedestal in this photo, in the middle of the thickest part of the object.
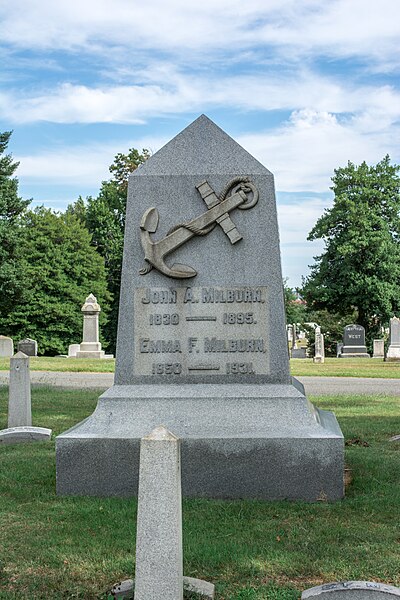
(202, 345)
(90, 346)
(393, 353)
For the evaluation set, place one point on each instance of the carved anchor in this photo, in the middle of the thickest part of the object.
(217, 213)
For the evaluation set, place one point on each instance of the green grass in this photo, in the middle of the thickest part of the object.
(47, 363)
(77, 548)
(346, 367)
(333, 367)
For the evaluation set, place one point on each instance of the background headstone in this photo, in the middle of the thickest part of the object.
(319, 356)
(299, 353)
(379, 349)
(6, 346)
(207, 355)
(73, 349)
(28, 347)
(90, 346)
(393, 352)
(354, 342)
(19, 397)
(352, 590)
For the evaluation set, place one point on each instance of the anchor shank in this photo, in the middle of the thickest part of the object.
(175, 239)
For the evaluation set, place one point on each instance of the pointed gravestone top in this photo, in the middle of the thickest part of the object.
(91, 304)
(161, 433)
(202, 147)
(20, 355)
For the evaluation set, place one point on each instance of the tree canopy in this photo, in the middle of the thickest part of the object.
(104, 217)
(359, 270)
(12, 272)
(62, 268)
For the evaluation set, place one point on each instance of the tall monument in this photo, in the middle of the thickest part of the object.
(202, 344)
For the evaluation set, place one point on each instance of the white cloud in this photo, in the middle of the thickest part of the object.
(84, 164)
(294, 28)
(304, 152)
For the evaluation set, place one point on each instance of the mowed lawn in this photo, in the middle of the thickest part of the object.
(333, 367)
(77, 548)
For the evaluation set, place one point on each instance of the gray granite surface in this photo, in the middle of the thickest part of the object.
(206, 355)
(352, 590)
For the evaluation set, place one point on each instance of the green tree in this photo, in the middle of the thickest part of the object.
(359, 270)
(104, 217)
(295, 308)
(12, 272)
(62, 269)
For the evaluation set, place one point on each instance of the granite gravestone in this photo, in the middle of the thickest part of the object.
(354, 342)
(201, 340)
(6, 346)
(379, 349)
(352, 590)
(393, 352)
(28, 347)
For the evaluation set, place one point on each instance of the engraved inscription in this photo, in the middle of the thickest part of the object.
(200, 332)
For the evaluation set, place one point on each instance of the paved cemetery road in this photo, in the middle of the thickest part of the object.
(314, 386)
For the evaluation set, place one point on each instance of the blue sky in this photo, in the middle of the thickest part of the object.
(303, 85)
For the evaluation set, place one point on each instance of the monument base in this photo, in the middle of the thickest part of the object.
(354, 352)
(88, 354)
(393, 353)
(238, 441)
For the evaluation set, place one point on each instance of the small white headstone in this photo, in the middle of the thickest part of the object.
(6, 346)
(19, 399)
(393, 352)
(379, 349)
(159, 557)
(319, 347)
(73, 349)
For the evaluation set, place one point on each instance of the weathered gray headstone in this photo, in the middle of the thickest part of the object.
(19, 398)
(6, 346)
(159, 555)
(28, 347)
(319, 356)
(299, 353)
(393, 352)
(354, 342)
(379, 349)
(202, 345)
(352, 590)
